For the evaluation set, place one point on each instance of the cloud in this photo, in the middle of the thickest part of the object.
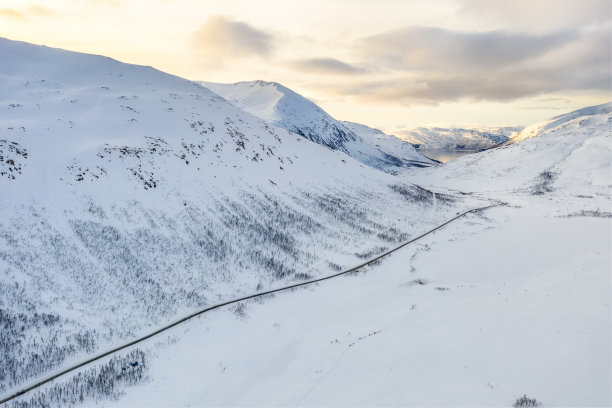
(432, 88)
(32, 10)
(432, 65)
(223, 39)
(12, 13)
(425, 48)
(538, 15)
(37, 10)
(325, 66)
(106, 3)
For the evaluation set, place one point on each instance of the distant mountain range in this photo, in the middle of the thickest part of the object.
(457, 138)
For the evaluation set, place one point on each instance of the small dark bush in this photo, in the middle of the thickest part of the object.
(525, 401)
(544, 183)
(371, 253)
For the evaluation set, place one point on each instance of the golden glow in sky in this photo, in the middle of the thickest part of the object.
(390, 64)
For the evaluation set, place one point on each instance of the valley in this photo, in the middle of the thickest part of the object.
(132, 199)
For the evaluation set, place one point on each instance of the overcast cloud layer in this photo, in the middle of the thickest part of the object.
(429, 65)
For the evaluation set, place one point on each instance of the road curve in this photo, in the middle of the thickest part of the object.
(229, 302)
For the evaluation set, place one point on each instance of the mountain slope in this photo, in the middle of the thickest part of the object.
(280, 106)
(541, 127)
(386, 143)
(131, 197)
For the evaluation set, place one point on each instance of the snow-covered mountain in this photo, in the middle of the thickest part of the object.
(389, 144)
(280, 106)
(456, 138)
(543, 127)
(572, 151)
(130, 197)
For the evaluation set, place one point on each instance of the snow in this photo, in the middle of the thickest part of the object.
(428, 138)
(514, 300)
(541, 127)
(520, 316)
(131, 197)
(388, 144)
(280, 106)
(576, 151)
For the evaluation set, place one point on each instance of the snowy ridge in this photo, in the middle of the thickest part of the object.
(280, 106)
(131, 197)
(457, 138)
(541, 127)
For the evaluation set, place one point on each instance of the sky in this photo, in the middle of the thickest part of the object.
(390, 64)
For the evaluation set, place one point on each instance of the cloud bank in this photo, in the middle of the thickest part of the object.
(425, 48)
(432, 65)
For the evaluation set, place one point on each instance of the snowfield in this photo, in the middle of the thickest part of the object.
(131, 198)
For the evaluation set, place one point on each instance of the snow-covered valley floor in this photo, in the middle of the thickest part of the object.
(511, 301)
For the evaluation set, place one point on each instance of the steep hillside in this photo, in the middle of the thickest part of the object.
(280, 106)
(457, 138)
(131, 197)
